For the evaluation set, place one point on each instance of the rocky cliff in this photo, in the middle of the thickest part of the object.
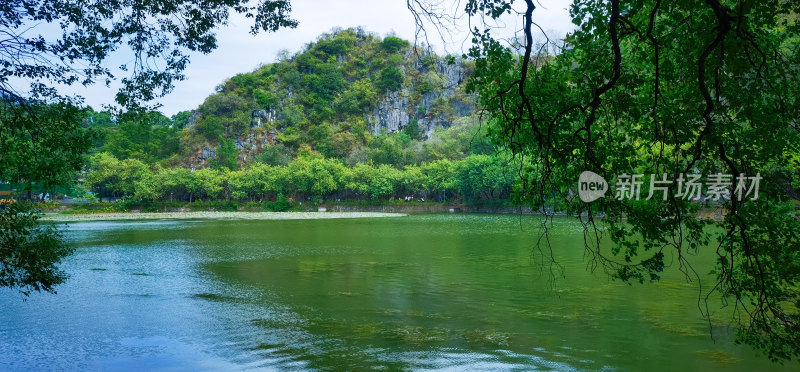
(324, 96)
(395, 110)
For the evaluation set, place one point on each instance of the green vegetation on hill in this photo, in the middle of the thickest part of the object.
(327, 96)
(307, 128)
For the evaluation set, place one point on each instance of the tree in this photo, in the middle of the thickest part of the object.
(228, 155)
(441, 177)
(374, 182)
(483, 177)
(29, 251)
(156, 33)
(412, 130)
(255, 183)
(41, 145)
(204, 184)
(391, 149)
(108, 176)
(359, 97)
(275, 155)
(210, 127)
(182, 119)
(173, 183)
(390, 78)
(40, 138)
(313, 175)
(411, 180)
(146, 136)
(393, 44)
(664, 88)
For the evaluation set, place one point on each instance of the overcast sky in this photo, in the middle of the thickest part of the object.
(239, 51)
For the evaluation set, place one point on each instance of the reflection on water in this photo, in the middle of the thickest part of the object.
(419, 292)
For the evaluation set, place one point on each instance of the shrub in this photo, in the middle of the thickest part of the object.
(281, 204)
(390, 78)
(393, 44)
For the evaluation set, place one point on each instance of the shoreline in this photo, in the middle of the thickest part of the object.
(211, 215)
(333, 212)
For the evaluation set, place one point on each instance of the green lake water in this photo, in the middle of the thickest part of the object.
(418, 292)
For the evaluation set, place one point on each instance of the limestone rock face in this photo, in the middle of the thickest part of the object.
(203, 157)
(428, 125)
(248, 146)
(261, 117)
(394, 111)
(391, 114)
(208, 153)
(241, 144)
(192, 121)
(452, 73)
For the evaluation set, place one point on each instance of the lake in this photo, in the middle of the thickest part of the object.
(416, 292)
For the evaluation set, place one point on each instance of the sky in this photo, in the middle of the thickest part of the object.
(238, 51)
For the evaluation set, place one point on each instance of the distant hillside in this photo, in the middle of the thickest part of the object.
(338, 96)
(352, 117)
